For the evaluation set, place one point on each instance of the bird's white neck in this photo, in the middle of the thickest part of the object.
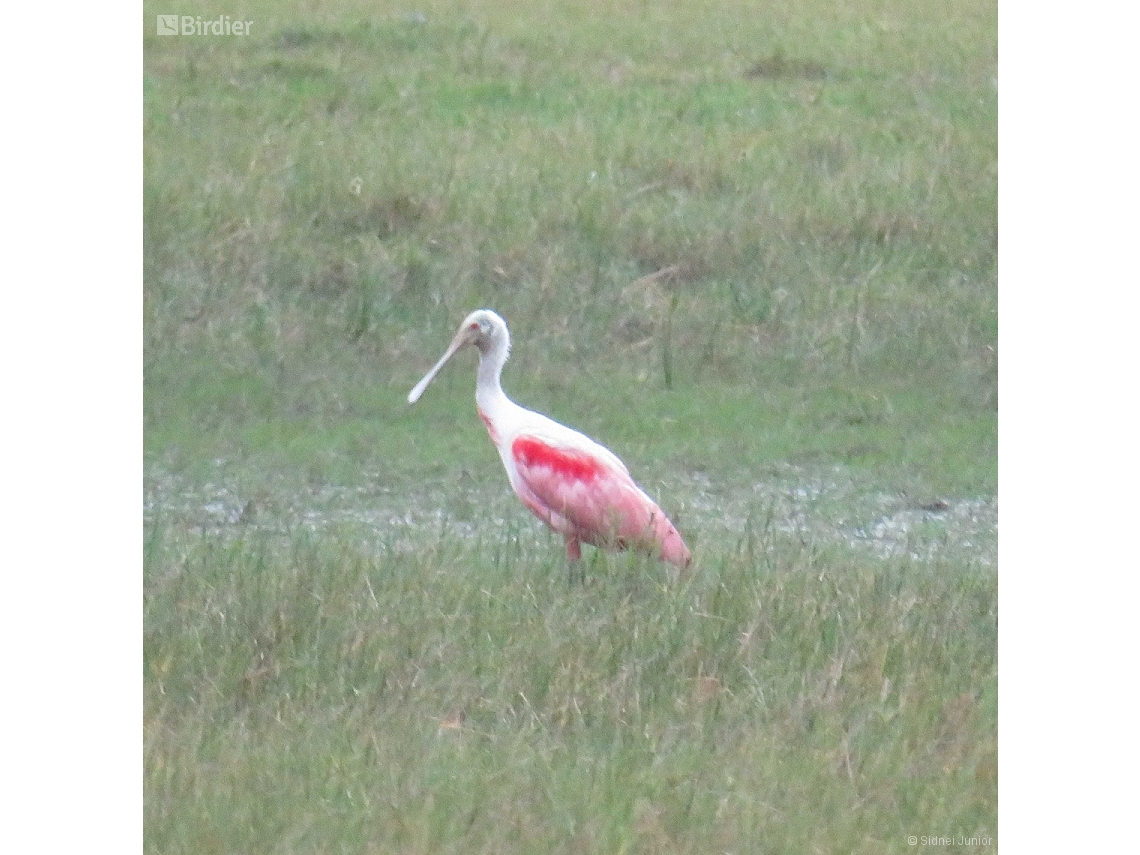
(489, 389)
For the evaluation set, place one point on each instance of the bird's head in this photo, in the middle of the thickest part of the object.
(483, 329)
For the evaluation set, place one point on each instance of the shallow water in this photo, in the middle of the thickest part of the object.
(827, 508)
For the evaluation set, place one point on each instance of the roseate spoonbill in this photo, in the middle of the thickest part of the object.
(574, 485)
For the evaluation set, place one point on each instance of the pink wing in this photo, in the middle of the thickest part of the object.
(584, 496)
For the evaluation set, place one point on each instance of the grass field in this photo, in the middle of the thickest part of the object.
(752, 247)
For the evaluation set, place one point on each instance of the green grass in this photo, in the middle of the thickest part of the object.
(751, 247)
(783, 700)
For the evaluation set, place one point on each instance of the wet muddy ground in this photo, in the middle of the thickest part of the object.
(825, 507)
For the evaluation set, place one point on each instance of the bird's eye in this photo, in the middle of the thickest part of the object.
(474, 325)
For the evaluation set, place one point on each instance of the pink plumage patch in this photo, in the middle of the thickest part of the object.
(573, 465)
(494, 434)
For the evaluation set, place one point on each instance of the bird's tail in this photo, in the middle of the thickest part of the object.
(673, 548)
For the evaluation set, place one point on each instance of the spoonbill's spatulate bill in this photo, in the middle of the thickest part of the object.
(574, 485)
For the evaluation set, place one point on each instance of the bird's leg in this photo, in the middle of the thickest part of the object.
(573, 549)
(574, 556)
